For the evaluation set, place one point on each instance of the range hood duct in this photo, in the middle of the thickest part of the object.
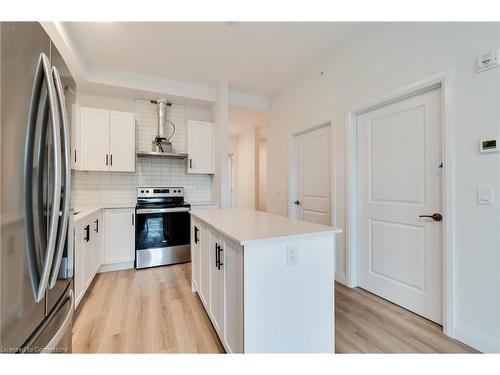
(161, 143)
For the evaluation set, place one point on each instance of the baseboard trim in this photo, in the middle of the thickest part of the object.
(477, 339)
(340, 277)
(116, 267)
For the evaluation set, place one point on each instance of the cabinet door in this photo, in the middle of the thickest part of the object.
(88, 255)
(204, 286)
(195, 253)
(119, 244)
(94, 133)
(233, 269)
(200, 142)
(216, 309)
(79, 260)
(122, 141)
(98, 245)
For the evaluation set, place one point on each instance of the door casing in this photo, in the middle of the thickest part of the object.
(443, 81)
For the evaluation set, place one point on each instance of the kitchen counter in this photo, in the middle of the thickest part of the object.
(82, 212)
(266, 281)
(244, 226)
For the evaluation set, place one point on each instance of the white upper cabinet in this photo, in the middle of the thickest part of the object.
(200, 147)
(107, 141)
(121, 141)
(94, 127)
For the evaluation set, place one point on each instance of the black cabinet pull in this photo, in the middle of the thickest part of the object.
(96, 227)
(86, 236)
(217, 255)
(111, 157)
(106, 159)
(196, 230)
(220, 263)
(133, 219)
(190, 163)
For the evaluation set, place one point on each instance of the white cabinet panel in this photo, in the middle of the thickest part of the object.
(121, 141)
(204, 287)
(233, 332)
(119, 238)
(195, 253)
(200, 144)
(216, 263)
(98, 241)
(94, 139)
(79, 260)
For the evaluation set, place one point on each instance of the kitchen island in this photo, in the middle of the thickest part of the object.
(266, 281)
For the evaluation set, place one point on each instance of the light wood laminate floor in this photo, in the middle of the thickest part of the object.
(366, 323)
(144, 311)
(154, 311)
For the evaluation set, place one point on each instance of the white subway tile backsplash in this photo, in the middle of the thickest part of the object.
(101, 188)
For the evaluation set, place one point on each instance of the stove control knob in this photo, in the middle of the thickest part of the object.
(142, 191)
(147, 191)
(168, 191)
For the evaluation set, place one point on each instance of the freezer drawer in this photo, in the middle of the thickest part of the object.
(55, 334)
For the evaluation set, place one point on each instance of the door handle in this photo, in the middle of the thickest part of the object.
(106, 159)
(196, 230)
(190, 163)
(39, 282)
(66, 188)
(436, 216)
(86, 237)
(217, 255)
(96, 228)
(111, 159)
(297, 203)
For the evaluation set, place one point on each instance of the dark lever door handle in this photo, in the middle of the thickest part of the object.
(435, 217)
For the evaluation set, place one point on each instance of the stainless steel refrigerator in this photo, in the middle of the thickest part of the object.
(36, 232)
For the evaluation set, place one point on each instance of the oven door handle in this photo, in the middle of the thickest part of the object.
(141, 211)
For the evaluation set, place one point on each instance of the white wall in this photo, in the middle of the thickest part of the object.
(243, 147)
(101, 188)
(378, 60)
(262, 172)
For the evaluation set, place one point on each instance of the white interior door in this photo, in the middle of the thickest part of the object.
(313, 173)
(399, 179)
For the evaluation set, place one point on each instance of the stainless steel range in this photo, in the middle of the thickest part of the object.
(162, 227)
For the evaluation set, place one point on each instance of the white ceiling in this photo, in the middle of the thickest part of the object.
(256, 58)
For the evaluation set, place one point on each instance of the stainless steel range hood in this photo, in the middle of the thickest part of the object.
(171, 155)
(161, 144)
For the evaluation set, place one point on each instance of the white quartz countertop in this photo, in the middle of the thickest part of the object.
(85, 211)
(203, 203)
(244, 226)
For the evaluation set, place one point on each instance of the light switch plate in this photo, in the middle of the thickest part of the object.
(485, 195)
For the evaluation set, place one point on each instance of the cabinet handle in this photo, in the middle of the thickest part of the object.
(133, 219)
(220, 263)
(190, 163)
(106, 159)
(86, 237)
(217, 255)
(75, 155)
(96, 228)
(111, 157)
(196, 230)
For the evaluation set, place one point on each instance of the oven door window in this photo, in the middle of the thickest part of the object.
(161, 230)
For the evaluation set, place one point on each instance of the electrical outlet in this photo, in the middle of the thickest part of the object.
(291, 255)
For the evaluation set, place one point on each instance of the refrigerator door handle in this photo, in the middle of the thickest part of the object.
(65, 149)
(56, 339)
(39, 282)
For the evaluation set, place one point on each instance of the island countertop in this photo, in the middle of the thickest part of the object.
(244, 225)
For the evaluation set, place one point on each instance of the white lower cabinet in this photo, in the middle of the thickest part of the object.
(119, 238)
(217, 267)
(88, 252)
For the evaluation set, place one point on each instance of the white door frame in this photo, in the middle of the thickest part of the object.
(444, 81)
(292, 178)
